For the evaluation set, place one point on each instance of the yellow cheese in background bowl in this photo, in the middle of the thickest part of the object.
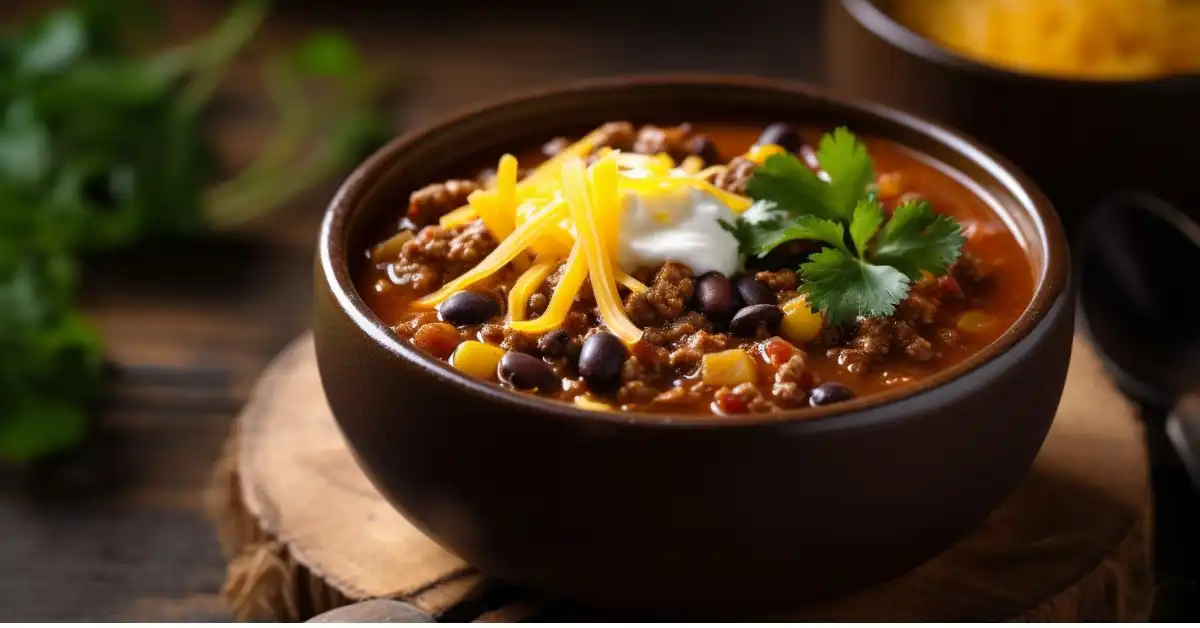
(1094, 39)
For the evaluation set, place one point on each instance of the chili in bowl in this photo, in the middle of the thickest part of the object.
(936, 276)
(692, 342)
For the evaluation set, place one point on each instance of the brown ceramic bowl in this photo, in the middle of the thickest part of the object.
(1079, 139)
(666, 513)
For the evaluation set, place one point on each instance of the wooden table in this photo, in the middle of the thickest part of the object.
(118, 532)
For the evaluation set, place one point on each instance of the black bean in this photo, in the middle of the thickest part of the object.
(525, 372)
(705, 149)
(750, 318)
(829, 392)
(468, 308)
(715, 296)
(781, 134)
(754, 292)
(601, 358)
(553, 344)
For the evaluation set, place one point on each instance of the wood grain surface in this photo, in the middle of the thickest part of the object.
(117, 531)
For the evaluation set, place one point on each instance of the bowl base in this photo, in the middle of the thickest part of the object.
(1070, 544)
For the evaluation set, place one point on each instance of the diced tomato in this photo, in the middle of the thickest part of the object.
(437, 339)
(777, 351)
(729, 403)
(949, 286)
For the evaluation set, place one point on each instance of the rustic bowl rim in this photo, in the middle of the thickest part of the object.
(870, 16)
(1050, 290)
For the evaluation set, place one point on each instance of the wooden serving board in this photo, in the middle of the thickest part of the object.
(306, 532)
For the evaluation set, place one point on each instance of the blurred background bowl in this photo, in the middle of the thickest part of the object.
(1079, 139)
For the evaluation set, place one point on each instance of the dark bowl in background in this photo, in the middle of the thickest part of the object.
(682, 513)
(1079, 139)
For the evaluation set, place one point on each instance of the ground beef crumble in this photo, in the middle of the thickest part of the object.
(433, 201)
(691, 350)
(689, 323)
(615, 135)
(679, 142)
(437, 253)
(782, 280)
(733, 179)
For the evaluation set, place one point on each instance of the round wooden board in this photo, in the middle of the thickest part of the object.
(306, 532)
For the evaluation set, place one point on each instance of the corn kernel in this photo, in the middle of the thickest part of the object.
(591, 403)
(477, 359)
(888, 185)
(974, 322)
(800, 324)
(391, 247)
(691, 164)
(729, 368)
(759, 153)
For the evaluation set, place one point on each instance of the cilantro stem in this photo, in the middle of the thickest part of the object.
(294, 128)
(295, 119)
(216, 53)
(236, 204)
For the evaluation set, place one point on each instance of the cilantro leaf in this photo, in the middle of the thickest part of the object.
(783, 180)
(868, 215)
(764, 226)
(846, 288)
(787, 182)
(801, 228)
(889, 253)
(916, 240)
(849, 167)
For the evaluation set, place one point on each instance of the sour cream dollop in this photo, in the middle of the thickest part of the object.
(679, 225)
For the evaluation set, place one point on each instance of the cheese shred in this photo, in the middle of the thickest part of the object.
(567, 209)
(595, 249)
(526, 285)
(563, 298)
(508, 250)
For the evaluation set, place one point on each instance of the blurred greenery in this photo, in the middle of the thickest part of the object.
(102, 148)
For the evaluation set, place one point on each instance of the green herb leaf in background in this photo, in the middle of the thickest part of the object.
(102, 149)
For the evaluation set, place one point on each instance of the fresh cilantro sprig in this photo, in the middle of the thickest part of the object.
(869, 259)
(103, 146)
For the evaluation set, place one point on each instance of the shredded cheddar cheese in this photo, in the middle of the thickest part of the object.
(630, 282)
(566, 209)
(563, 297)
(549, 169)
(458, 217)
(527, 284)
(487, 207)
(595, 248)
(508, 250)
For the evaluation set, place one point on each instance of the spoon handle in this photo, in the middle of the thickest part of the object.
(1183, 429)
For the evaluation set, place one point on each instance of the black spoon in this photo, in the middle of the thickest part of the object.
(1139, 291)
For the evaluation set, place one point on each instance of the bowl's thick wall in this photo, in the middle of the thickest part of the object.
(672, 516)
(1078, 139)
